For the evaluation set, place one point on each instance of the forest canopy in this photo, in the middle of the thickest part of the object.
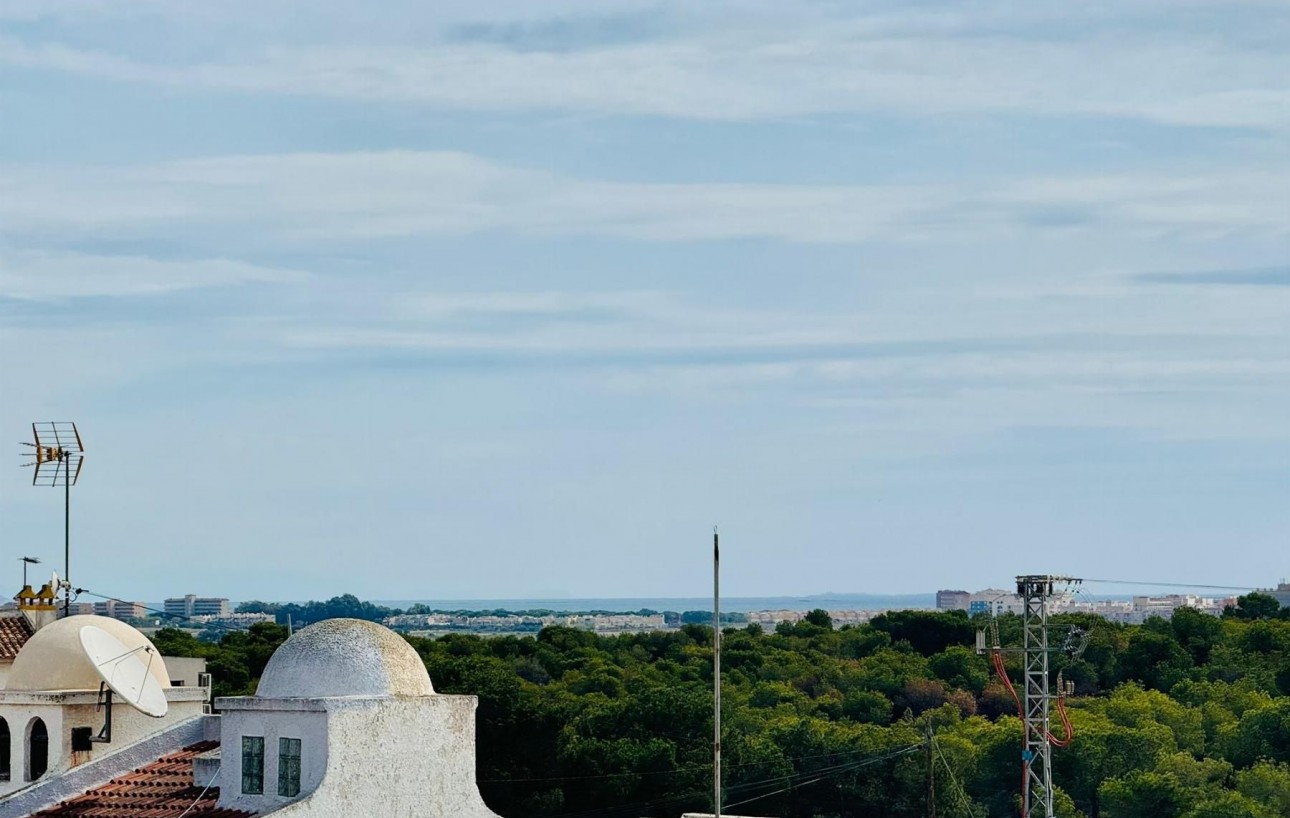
(1180, 718)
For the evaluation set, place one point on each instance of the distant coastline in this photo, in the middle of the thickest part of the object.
(833, 602)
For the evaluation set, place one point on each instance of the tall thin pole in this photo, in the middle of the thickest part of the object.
(716, 674)
(67, 535)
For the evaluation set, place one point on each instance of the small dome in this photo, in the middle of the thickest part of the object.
(53, 658)
(344, 657)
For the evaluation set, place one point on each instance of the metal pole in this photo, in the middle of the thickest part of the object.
(1037, 792)
(67, 535)
(716, 674)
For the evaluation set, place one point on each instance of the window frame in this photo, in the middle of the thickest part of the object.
(37, 746)
(6, 751)
(253, 765)
(289, 752)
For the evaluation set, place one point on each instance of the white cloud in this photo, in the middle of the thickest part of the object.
(57, 275)
(763, 64)
(328, 197)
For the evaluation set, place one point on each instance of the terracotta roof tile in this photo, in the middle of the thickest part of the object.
(14, 633)
(162, 789)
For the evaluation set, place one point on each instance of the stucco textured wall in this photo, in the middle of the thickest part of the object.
(396, 757)
(306, 720)
(63, 711)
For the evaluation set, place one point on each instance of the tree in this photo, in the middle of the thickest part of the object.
(1260, 734)
(1142, 794)
(1229, 805)
(929, 632)
(1155, 659)
(1253, 606)
(820, 618)
(1267, 783)
(960, 667)
(1196, 632)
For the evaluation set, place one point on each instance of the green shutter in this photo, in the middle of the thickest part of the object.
(289, 767)
(253, 765)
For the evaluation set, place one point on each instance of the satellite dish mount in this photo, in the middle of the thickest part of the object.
(105, 704)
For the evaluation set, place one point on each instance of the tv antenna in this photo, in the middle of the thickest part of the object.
(59, 455)
(125, 673)
(25, 562)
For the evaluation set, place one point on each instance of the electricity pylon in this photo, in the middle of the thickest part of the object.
(1035, 699)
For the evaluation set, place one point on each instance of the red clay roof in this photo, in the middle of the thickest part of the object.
(14, 633)
(162, 789)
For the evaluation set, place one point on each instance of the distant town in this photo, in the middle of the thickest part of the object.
(216, 615)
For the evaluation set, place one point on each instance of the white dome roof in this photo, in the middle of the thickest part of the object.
(53, 658)
(344, 657)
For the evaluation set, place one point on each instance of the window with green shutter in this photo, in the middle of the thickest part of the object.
(253, 765)
(289, 767)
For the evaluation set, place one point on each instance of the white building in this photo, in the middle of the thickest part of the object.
(191, 605)
(995, 602)
(345, 722)
(51, 706)
(950, 600)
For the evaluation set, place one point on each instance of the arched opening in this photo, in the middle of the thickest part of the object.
(4, 750)
(37, 749)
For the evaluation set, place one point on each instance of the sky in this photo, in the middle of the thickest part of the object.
(457, 300)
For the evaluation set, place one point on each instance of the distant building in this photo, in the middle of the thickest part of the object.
(120, 609)
(952, 600)
(193, 605)
(994, 601)
(1281, 593)
(231, 622)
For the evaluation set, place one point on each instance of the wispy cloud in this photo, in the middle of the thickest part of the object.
(46, 276)
(1270, 277)
(400, 193)
(766, 66)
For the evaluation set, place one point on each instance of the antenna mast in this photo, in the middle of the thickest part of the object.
(58, 456)
(716, 674)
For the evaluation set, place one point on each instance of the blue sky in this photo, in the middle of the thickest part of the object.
(463, 300)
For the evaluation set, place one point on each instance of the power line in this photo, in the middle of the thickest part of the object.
(676, 771)
(827, 774)
(202, 794)
(964, 800)
(814, 776)
(167, 614)
(1172, 584)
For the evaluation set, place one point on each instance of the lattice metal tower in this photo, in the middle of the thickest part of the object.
(1036, 752)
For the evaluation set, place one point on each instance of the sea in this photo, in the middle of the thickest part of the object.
(738, 604)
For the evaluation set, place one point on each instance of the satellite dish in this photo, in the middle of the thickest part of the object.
(125, 671)
(54, 582)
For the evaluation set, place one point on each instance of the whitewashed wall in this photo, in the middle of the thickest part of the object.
(397, 757)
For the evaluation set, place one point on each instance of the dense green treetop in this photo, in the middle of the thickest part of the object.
(1180, 718)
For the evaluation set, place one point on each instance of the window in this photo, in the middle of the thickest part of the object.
(4, 750)
(253, 765)
(289, 767)
(37, 749)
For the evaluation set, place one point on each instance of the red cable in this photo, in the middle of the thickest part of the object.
(1066, 725)
(999, 668)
